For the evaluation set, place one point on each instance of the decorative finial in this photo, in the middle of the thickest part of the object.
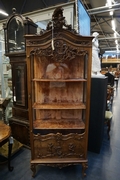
(58, 20)
(13, 10)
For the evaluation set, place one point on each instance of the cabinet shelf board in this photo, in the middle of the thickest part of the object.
(60, 106)
(59, 124)
(59, 80)
(58, 160)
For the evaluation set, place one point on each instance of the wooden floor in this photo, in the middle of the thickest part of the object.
(102, 166)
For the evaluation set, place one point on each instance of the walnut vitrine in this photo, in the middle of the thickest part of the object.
(59, 75)
(15, 28)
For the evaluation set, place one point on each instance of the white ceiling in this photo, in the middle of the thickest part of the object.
(101, 22)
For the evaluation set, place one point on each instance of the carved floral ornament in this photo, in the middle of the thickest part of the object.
(54, 145)
(62, 52)
(58, 20)
(58, 165)
(58, 136)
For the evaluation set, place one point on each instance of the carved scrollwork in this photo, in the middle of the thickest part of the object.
(60, 166)
(57, 36)
(62, 51)
(59, 145)
(42, 52)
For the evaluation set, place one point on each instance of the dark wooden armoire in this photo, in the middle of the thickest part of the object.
(15, 28)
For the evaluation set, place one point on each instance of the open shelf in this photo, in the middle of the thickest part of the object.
(59, 80)
(60, 106)
(58, 161)
(59, 124)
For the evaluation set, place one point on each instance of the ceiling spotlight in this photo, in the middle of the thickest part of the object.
(3, 13)
(109, 3)
(113, 24)
(115, 32)
(116, 42)
(117, 50)
(115, 35)
(111, 13)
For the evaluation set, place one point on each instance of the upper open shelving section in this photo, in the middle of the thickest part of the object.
(59, 66)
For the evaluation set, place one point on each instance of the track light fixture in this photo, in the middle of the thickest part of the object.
(3, 13)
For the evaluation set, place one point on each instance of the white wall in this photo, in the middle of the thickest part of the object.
(46, 14)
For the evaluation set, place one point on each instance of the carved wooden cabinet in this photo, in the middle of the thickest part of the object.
(15, 28)
(59, 74)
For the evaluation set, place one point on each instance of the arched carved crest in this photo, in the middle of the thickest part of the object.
(59, 43)
(62, 51)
